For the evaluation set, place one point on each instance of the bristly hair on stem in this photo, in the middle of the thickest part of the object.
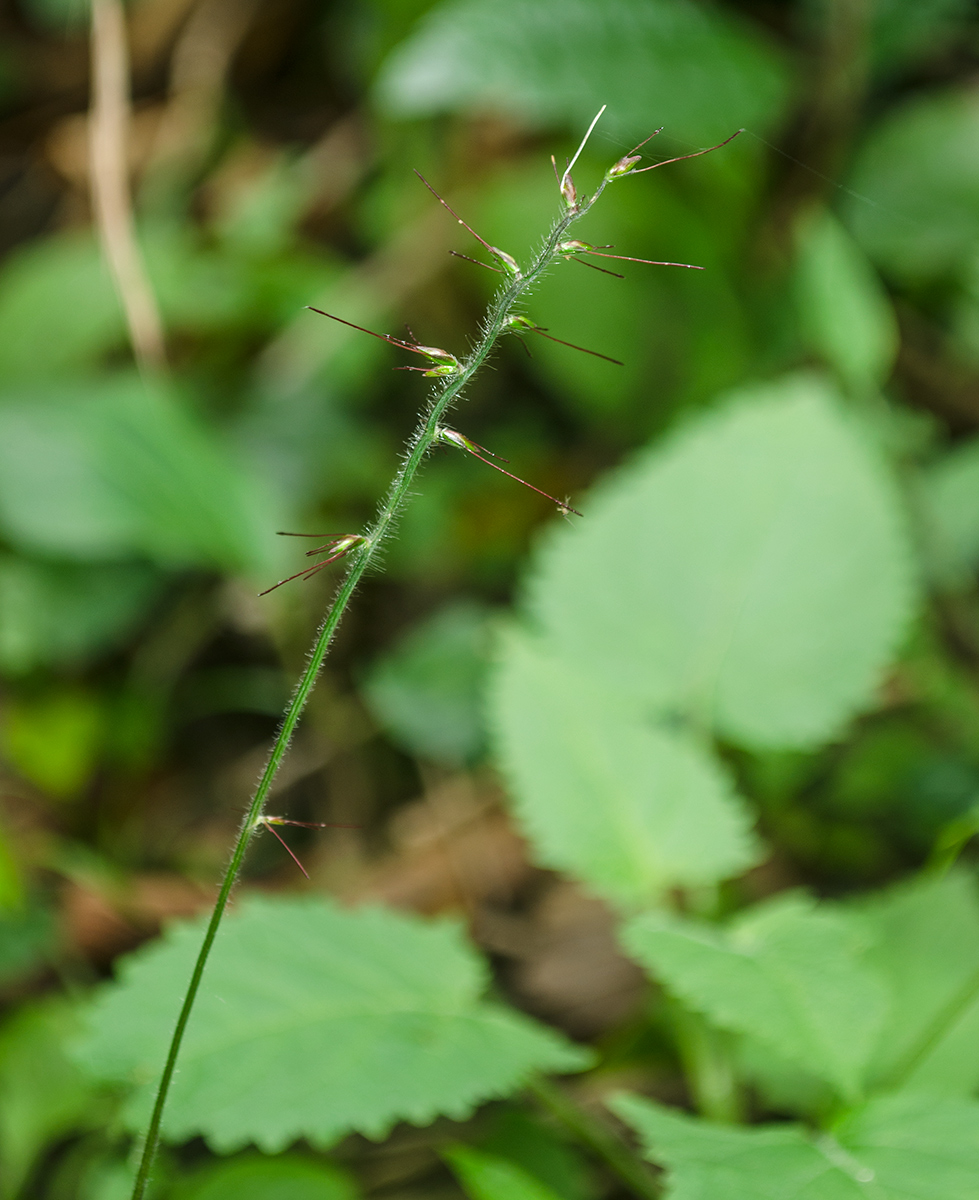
(361, 550)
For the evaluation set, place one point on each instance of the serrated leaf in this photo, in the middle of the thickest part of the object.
(784, 972)
(313, 1021)
(843, 306)
(926, 946)
(702, 73)
(893, 1148)
(761, 568)
(913, 200)
(490, 1177)
(252, 1177)
(630, 807)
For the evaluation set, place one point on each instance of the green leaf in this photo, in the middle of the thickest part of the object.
(252, 1177)
(120, 468)
(784, 972)
(490, 1177)
(894, 1148)
(62, 613)
(699, 70)
(354, 1020)
(628, 806)
(949, 499)
(54, 739)
(427, 692)
(926, 946)
(43, 1095)
(903, 33)
(761, 565)
(58, 283)
(843, 307)
(688, 327)
(914, 193)
(27, 932)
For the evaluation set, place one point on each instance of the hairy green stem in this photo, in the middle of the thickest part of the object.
(418, 447)
(599, 1138)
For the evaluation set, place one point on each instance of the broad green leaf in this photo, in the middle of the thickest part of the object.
(490, 1177)
(427, 692)
(843, 307)
(629, 806)
(121, 468)
(61, 613)
(950, 510)
(252, 1177)
(701, 72)
(761, 571)
(784, 972)
(913, 200)
(894, 1148)
(313, 1021)
(926, 946)
(43, 1095)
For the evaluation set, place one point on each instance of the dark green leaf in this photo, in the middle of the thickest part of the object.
(252, 1177)
(490, 1177)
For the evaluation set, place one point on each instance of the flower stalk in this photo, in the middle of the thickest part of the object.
(451, 377)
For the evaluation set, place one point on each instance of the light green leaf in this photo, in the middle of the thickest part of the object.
(354, 1021)
(121, 468)
(427, 692)
(894, 1148)
(926, 946)
(913, 202)
(844, 309)
(700, 72)
(43, 1095)
(761, 566)
(252, 1177)
(784, 972)
(490, 1177)
(629, 806)
(61, 613)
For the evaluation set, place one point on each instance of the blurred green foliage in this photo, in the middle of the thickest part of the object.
(739, 699)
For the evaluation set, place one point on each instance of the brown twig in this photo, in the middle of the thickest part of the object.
(111, 201)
